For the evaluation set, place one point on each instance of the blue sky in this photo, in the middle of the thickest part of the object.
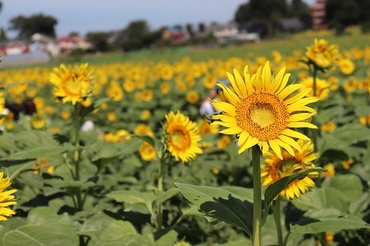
(84, 16)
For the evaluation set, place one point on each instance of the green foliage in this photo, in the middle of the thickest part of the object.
(115, 200)
(38, 23)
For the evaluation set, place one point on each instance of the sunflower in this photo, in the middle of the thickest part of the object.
(143, 129)
(274, 168)
(6, 198)
(346, 66)
(322, 87)
(115, 91)
(328, 126)
(147, 152)
(192, 97)
(72, 84)
(38, 121)
(263, 110)
(321, 53)
(182, 137)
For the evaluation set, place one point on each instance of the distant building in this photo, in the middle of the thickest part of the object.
(14, 47)
(175, 35)
(69, 43)
(291, 24)
(43, 44)
(318, 15)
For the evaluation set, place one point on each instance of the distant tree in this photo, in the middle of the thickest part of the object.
(341, 13)
(265, 13)
(300, 9)
(3, 35)
(136, 29)
(137, 36)
(99, 40)
(74, 34)
(190, 30)
(178, 27)
(27, 26)
(201, 27)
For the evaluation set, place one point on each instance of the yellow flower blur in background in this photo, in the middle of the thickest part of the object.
(115, 91)
(322, 87)
(192, 97)
(330, 170)
(38, 121)
(346, 66)
(182, 137)
(275, 168)
(6, 198)
(111, 116)
(147, 152)
(329, 126)
(206, 128)
(42, 165)
(72, 84)
(347, 163)
(264, 110)
(143, 129)
(145, 114)
(321, 53)
(350, 85)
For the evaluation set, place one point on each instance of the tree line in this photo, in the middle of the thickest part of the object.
(262, 16)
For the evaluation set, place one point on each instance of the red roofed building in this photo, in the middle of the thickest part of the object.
(69, 43)
(318, 15)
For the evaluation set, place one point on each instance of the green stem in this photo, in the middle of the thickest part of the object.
(277, 211)
(76, 157)
(286, 238)
(159, 220)
(257, 196)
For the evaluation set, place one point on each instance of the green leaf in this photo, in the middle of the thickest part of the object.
(134, 197)
(333, 224)
(345, 136)
(111, 150)
(349, 184)
(168, 239)
(44, 227)
(321, 198)
(273, 190)
(219, 204)
(121, 233)
(164, 196)
(40, 151)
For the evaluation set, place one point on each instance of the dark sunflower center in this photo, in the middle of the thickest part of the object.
(180, 139)
(262, 115)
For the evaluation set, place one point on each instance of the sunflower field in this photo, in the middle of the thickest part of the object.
(269, 148)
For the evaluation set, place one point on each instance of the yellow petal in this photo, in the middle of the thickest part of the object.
(302, 125)
(300, 116)
(295, 134)
(266, 76)
(239, 81)
(277, 81)
(276, 148)
(291, 142)
(251, 141)
(289, 90)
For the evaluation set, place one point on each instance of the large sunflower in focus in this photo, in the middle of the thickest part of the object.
(264, 110)
(72, 84)
(275, 168)
(182, 137)
(6, 198)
